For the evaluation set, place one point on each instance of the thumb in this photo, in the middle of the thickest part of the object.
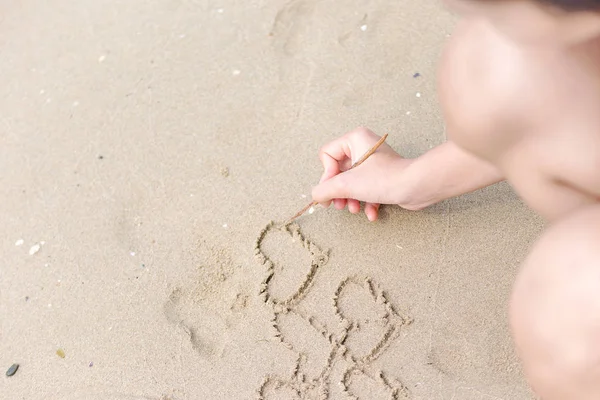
(337, 187)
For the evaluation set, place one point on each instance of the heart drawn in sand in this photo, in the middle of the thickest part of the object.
(368, 323)
(371, 320)
(359, 383)
(292, 263)
(306, 336)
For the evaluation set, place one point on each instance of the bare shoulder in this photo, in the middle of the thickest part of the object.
(485, 79)
(484, 86)
(530, 111)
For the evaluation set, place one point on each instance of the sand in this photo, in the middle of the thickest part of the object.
(144, 148)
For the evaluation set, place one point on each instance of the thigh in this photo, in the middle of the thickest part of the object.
(555, 309)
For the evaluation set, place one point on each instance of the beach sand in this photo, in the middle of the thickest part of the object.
(145, 147)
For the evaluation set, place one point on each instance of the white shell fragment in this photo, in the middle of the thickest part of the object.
(19, 242)
(34, 249)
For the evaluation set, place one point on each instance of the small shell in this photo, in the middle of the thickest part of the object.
(34, 249)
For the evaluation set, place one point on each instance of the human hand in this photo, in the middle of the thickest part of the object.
(373, 182)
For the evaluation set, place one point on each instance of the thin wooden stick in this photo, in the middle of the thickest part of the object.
(356, 164)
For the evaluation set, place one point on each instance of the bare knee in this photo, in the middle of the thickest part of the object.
(555, 310)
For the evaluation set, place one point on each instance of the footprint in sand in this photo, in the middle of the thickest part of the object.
(216, 294)
(291, 26)
(367, 321)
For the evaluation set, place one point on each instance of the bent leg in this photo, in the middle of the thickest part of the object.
(555, 310)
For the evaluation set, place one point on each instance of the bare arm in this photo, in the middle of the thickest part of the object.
(444, 172)
(387, 178)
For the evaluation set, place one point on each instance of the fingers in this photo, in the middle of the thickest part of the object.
(331, 156)
(330, 171)
(331, 160)
(353, 206)
(341, 153)
(372, 211)
(335, 187)
(335, 152)
(338, 184)
(339, 204)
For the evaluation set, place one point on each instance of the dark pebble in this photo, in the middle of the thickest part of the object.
(12, 370)
(100, 157)
(416, 75)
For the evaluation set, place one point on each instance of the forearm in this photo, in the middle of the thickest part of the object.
(444, 172)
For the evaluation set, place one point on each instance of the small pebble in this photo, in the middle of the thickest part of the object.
(34, 249)
(132, 253)
(303, 196)
(12, 370)
(60, 353)
(363, 28)
(408, 113)
(101, 58)
(19, 242)
(418, 94)
(416, 75)
(225, 226)
(225, 172)
(311, 210)
(26, 298)
(91, 364)
(236, 72)
(100, 157)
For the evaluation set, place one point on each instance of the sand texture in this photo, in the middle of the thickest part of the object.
(150, 151)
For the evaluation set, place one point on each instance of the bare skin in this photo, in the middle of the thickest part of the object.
(519, 86)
